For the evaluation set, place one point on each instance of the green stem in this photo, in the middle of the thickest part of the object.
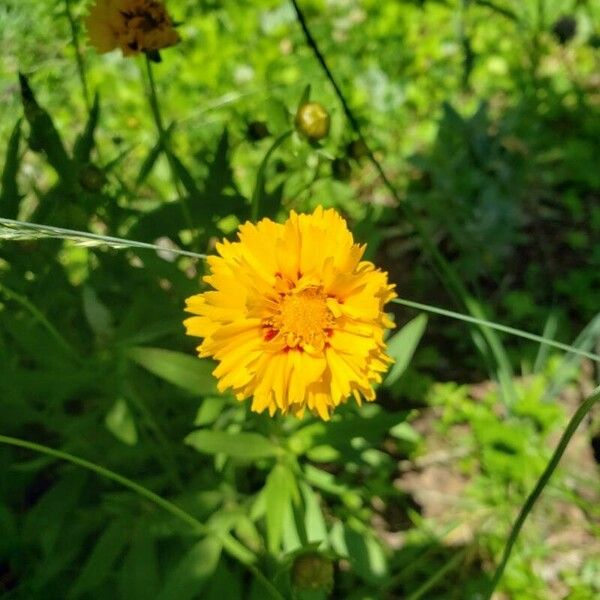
(174, 510)
(78, 55)
(439, 574)
(164, 141)
(579, 415)
(259, 187)
(497, 326)
(447, 274)
(41, 319)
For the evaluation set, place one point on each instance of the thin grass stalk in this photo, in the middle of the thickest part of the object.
(174, 510)
(574, 423)
(445, 271)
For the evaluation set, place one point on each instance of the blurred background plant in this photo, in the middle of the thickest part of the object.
(485, 115)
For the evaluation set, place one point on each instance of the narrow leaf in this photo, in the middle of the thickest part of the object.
(191, 575)
(237, 445)
(85, 142)
(9, 192)
(187, 372)
(402, 346)
(99, 564)
(120, 422)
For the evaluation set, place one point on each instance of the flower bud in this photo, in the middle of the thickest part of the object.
(312, 571)
(313, 121)
(341, 169)
(356, 149)
(565, 29)
(91, 178)
(257, 130)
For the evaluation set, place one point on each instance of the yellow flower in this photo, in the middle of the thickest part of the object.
(132, 25)
(295, 318)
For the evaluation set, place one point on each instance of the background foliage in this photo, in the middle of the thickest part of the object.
(485, 115)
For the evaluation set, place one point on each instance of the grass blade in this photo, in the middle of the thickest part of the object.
(574, 423)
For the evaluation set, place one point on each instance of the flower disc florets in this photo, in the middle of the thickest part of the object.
(132, 25)
(295, 318)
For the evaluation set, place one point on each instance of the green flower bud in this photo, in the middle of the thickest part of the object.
(91, 178)
(257, 130)
(564, 29)
(312, 571)
(341, 169)
(313, 121)
(356, 149)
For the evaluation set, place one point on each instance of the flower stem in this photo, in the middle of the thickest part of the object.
(574, 423)
(164, 142)
(78, 55)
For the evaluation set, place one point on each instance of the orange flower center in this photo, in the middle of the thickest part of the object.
(303, 318)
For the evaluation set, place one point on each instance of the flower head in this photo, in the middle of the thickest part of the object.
(295, 318)
(132, 25)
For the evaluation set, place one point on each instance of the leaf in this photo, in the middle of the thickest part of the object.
(402, 346)
(148, 163)
(191, 575)
(314, 522)
(100, 562)
(189, 373)
(120, 422)
(96, 313)
(85, 142)
(258, 197)
(244, 445)
(139, 578)
(279, 491)
(305, 95)
(9, 193)
(209, 411)
(45, 521)
(44, 135)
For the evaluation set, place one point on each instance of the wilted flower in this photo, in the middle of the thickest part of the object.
(132, 25)
(296, 318)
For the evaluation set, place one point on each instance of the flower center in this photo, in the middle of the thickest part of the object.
(304, 318)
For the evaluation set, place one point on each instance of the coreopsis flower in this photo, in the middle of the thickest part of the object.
(295, 318)
(132, 25)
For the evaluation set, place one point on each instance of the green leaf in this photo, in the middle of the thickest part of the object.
(99, 565)
(85, 142)
(243, 445)
(191, 575)
(45, 521)
(314, 521)
(139, 578)
(9, 193)
(44, 135)
(96, 313)
(187, 372)
(120, 422)
(258, 197)
(402, 346)
(280, 488)
(209, 411)
(148, 163)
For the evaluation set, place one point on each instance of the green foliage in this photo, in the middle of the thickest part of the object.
(485, 117)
